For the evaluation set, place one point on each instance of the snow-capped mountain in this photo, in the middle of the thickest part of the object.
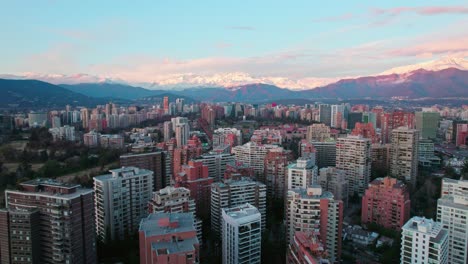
(434, 65)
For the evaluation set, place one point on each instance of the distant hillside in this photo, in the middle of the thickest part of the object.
(32, 93)
(111, 90)
(420, 83)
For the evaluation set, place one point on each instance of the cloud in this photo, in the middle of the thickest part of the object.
(433, 46)
(244, 28)
(223, 45)
(424, 10)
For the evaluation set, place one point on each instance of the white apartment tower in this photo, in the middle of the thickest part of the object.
(302, 174)
(404, 154)
(121, 201)
(452, 213)
(216, 163)
(253, 155)
(242, 235)
(353, 156)
(423, 241)
(310, 210)
(232, 193)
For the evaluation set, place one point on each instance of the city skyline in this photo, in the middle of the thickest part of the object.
(302, 45)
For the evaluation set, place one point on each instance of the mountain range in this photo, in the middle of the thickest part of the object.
(431, 80)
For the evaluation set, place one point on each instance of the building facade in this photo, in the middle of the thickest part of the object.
(404, 154)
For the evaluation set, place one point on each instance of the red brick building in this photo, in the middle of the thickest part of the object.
(386, 202)
(194, 176)
(306, 248)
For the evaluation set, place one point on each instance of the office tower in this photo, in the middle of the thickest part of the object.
(353, 118)
(369, 118)
(66, 220)
(395, 120)
(423, 241)
(427, 123)
(380, 155)
(333, 180)
(337, 113)
(325, 153)
(452, 212)
(168, 238)
(167, 130)
(306, 248)
(253, 155)
(166, 104)
(216, 163)
(366, 130)
(353, 156)
(302, 174)
(194, 176)
(404, 154)
(158, 162)
(325, 114)
(386, 203)
(121, 201)
(227, 136)
(232, 193)
(275, 171)
(309, 210)
(241, 235)
(426, 153)
(20, 236)
(318, 132)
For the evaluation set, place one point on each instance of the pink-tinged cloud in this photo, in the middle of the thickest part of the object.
(450, 46)
(425, 10)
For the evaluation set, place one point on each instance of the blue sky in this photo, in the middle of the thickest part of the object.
(157, 40)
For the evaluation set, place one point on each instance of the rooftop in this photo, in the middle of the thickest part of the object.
(49, 182)
(426, 226)
(166, 223)
(175, 246)
(123, 172)
(241, 211)
(312, 192)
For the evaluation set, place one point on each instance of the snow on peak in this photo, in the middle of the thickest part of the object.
(434, 65)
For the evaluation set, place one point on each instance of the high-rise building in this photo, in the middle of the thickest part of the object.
(158, 162)
(121, 201)
(325, 153)
(461, 135)
(175, 200)
(395, 120)
(241, 235)
(306, 248)
(20, 235)
(302, 174)
(216, 163)
(423, 241)
(427, 123)
(380, 155)
(166, 104)
(194, 176)
(386, 203)
(182, 132)
(232, 193)
(365, 130)
(325, 114)
(452, 212)
(353, 118)
(168, 238)
(167, 130)
(353, 156)
(337, 114)
(252, 154)
(227, 136)
(404, 154)
(318, 132)
(333, 180)
(66, 222)
(276, 164)
(309, 210)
